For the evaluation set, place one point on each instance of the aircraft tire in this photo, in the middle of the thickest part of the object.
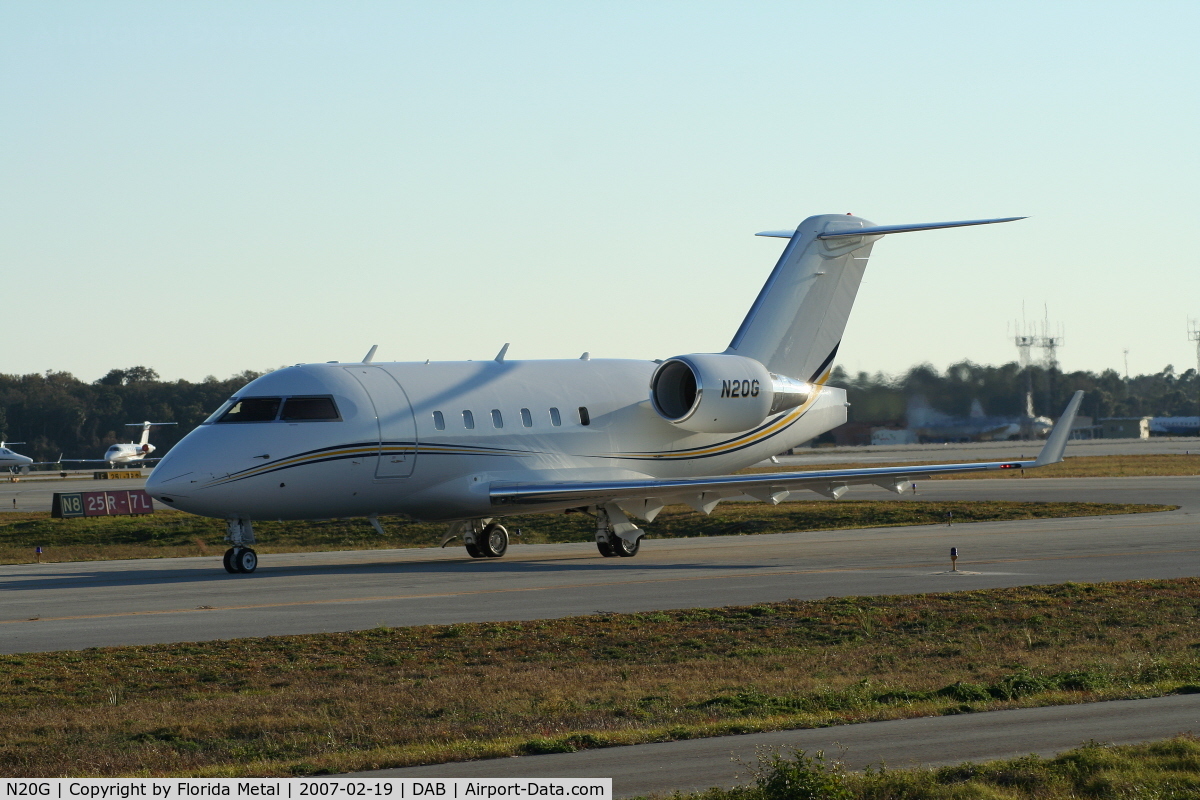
(624, 548)
(495, 540)
(227, 562)
(246, 560)
(606, 549)
(473, 551)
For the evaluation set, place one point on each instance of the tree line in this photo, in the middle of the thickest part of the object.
(881, 399)
(56, 413)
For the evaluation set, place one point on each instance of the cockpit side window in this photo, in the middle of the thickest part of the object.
(309, 408)
(252, 409)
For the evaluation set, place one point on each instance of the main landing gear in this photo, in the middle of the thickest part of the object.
(615, 534)
(614, 545)
(240, 558)
(486, 541)
(483, 538)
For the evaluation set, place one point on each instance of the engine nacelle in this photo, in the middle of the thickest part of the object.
(715, 393)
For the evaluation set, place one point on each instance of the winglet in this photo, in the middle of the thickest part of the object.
(370, 356)
(1056, 443)
(501, 354)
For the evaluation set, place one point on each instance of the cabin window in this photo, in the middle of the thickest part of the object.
(309, 408)
(584, 417)
(526, 418)
(252, 409)
(555, 417)
(468, 420)
(497, 420)
(439, 421)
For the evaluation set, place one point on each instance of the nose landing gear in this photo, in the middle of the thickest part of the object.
(240, 558)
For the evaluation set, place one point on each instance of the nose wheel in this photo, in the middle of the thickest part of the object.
(240, 560)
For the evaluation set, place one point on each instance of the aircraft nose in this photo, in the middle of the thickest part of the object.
(160, 484)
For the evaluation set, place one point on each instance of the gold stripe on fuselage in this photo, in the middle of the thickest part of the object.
(743, 441)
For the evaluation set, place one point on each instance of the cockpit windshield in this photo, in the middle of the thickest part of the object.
(268, 409)
(252, 409)
(298, 408)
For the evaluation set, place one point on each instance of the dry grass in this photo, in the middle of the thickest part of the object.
(1165, 770)
(1073, 467)
(172, 534)
(389, 697)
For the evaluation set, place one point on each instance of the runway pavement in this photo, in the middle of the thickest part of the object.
(69, 606)
(698, 764)
(87, 604)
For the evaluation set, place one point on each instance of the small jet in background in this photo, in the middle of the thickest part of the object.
(129, 453)
(14, 462)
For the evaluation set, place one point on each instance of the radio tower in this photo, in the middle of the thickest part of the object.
(1194, 335)
(1030, 336)
(1050, 343)
(1025, 341)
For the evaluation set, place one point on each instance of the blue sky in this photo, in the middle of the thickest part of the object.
(209, 187)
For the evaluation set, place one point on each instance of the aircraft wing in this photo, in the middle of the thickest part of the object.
(645, 498)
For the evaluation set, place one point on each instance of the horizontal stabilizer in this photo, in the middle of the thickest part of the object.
(882, 230)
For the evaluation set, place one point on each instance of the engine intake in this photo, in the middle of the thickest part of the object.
(716, 393)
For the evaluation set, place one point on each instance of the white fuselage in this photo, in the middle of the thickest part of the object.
(401, 443)
(127, 453)
(9, 459)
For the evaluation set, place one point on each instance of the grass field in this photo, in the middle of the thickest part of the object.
(388, 697)
(1158, 465)
(1166, 770)
(169, 534)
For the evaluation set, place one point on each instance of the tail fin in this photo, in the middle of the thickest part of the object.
(146, 426)
(796, 324)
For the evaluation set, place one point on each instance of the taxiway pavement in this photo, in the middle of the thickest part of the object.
(64, 606)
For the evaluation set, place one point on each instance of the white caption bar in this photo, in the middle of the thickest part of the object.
(300, 788)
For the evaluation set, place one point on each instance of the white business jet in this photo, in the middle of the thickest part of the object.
(13, 461)
(469, 442)
(129, 453)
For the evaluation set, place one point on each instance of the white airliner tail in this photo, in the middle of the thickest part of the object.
(796, 323)
(146, 426)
